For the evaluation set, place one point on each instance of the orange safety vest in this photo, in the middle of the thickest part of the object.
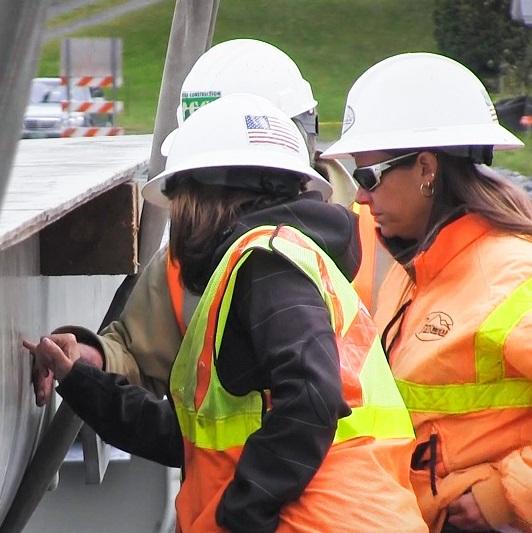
(363, 482)
(469, 313)
(177, 292)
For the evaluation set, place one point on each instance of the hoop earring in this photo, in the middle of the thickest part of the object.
(427, 189)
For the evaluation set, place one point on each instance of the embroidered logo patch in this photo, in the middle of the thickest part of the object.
(436, 326)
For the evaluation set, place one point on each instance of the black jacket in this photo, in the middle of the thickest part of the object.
(278, 336)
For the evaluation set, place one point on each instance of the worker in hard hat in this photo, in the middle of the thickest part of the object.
(288, 417)
(253, 66)
(127, 345)
(455, 313)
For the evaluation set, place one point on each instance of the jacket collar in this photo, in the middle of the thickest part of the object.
(330, 226)
(450, 242)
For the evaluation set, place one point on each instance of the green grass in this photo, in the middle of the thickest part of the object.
(518, 160)
(332, 41)
(145, 38)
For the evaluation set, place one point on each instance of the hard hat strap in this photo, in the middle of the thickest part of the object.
(477, 154)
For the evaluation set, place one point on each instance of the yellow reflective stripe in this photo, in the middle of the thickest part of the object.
(377, 380)
(491, 390)
(226, 302)
(302, 258)
(492, 334)
(217, 433)
(306, 261)
(375, 421)
(384, 415)
(184, 369)
(466, 398)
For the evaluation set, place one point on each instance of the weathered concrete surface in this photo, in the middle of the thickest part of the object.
(32, 305)
(50, 178)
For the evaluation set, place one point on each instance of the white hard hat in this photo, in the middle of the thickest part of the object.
(235, 131)
(419, 100)
(244, 66)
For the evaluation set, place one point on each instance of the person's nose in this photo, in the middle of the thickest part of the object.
(362, 196)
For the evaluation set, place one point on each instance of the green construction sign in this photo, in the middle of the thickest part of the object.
(192, 101)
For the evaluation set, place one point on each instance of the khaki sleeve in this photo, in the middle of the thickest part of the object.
(344, 188)
(143, 343)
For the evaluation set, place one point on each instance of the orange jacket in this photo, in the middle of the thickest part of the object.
(468, 330)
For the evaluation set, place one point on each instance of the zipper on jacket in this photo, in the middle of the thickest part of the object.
(399, 316)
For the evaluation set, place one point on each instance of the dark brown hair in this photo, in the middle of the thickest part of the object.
(200, 216)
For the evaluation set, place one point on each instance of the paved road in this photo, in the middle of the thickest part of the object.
(98, 18)
(57, 7)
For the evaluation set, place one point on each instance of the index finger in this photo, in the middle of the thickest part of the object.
(29, 345)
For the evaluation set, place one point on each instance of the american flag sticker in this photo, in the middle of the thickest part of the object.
(270, 130)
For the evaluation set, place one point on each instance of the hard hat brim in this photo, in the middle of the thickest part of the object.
(482, 135)
(152, 190)
(167, 143)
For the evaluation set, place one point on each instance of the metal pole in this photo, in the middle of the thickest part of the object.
(114, 93)
(21, 32)
(68, 69)
(191, 34)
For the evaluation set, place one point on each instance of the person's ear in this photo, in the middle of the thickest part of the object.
(428, 162)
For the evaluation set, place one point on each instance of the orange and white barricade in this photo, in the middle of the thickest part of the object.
(92, 81)
(92, 131)
(93, 107)
(97, 107)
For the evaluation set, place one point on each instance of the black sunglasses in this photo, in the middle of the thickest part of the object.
(369, 178)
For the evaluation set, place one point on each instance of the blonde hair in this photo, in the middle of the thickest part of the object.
(460, 183)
